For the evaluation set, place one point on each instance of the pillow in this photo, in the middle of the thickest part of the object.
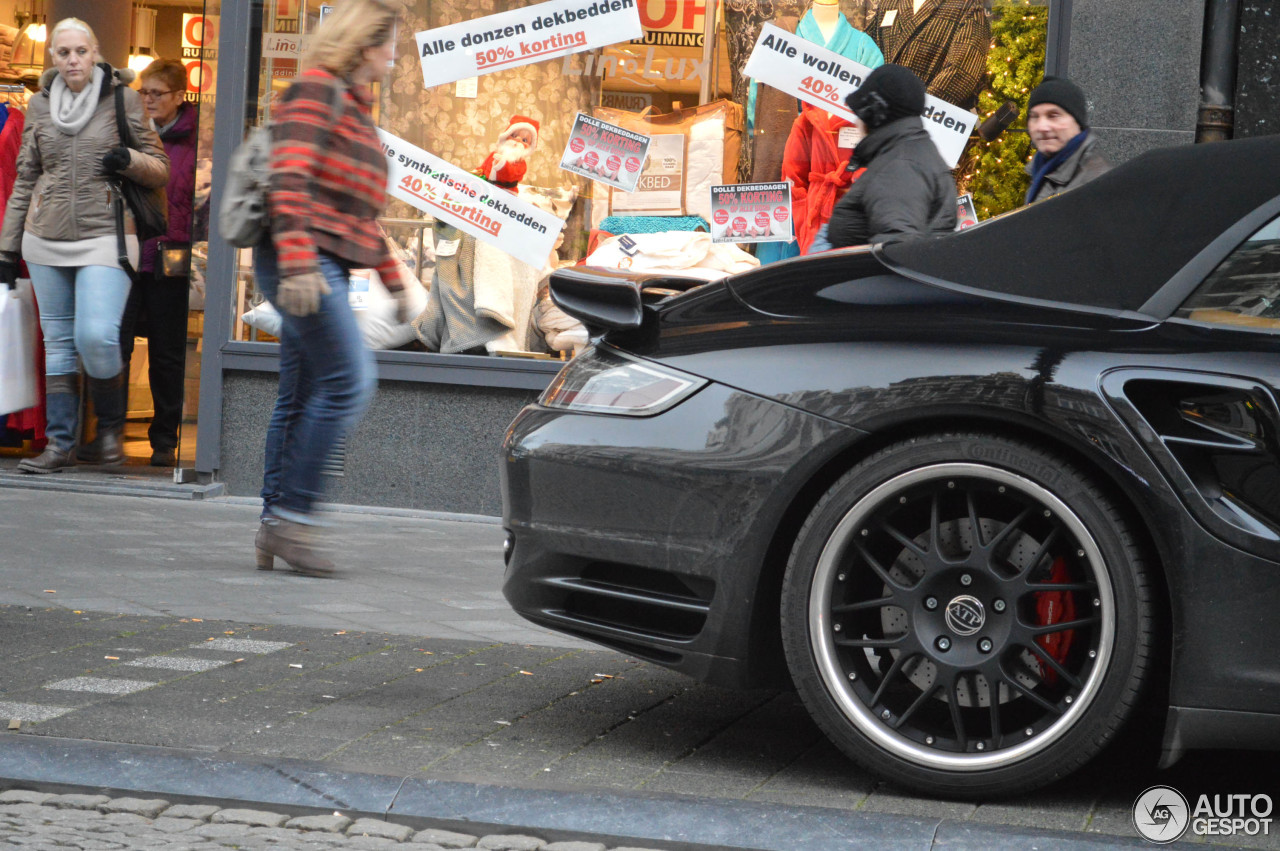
(374, 307)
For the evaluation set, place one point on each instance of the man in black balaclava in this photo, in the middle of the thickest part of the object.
(905, 189)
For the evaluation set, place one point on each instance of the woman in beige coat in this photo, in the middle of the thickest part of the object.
(61, 220)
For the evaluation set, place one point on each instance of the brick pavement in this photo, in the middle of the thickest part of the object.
(40, 820)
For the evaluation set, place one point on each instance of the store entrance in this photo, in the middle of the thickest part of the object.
(166, 310)
(174, 43)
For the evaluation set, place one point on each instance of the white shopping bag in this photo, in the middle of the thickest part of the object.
(17, 348)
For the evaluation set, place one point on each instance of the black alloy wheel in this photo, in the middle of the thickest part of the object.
(967, 615)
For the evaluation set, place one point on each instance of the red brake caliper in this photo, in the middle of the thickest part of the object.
(1055, 607)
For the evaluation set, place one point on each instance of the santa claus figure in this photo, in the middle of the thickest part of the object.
(506, 164)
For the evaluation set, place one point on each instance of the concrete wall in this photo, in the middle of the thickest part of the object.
(1258, 79)
(425, 446)
(1139, 65)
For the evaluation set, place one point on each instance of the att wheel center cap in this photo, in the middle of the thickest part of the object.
(965, 615)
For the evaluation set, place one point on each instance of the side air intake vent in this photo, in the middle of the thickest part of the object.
(636, 599)
(1218, 439)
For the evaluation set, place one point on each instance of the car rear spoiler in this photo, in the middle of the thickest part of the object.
(611, 299)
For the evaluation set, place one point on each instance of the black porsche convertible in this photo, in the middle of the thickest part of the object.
(975, 498)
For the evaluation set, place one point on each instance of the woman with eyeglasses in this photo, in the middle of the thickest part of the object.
(61, 220)
(160, 295)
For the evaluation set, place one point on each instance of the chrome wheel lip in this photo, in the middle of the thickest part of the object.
(821, 634)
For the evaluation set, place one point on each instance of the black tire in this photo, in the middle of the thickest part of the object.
(901, 630)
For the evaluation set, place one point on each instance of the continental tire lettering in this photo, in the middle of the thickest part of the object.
(1045, 472)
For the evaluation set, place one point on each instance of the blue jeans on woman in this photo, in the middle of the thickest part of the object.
(80, 312)
(327, 377)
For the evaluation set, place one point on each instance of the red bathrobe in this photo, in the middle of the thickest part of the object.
(32, 419)
(818, 170)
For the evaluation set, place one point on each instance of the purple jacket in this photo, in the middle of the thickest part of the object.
(180, 145)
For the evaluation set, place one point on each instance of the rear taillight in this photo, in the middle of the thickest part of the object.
(605, 381)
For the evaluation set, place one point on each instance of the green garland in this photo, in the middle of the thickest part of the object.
(994, 171)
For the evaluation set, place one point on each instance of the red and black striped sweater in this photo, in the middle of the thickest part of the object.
(328, 180)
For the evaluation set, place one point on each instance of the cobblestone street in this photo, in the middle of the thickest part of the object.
(40, 820)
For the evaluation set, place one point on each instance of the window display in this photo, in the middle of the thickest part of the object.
(484, 96)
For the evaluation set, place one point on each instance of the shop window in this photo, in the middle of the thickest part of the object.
(681, 81)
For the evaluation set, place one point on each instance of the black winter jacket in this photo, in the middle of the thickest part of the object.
(907, 189)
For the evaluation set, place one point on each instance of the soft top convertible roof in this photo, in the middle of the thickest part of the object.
(1113, 242)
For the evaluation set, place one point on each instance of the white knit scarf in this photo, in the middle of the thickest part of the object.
(70, 111)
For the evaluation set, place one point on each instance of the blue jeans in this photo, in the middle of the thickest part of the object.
(80, 312)
(327, 377)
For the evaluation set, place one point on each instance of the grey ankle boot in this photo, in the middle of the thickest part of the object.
(295, 543)
(62, 410)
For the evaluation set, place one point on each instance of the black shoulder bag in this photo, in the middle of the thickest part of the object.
(150, 207)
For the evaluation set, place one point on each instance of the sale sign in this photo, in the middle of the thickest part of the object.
(522, 36)
(468, 203)
(605, 152)
(199, 32)
(824, 78)
(200, 56)
(673, 23)
(751, 212)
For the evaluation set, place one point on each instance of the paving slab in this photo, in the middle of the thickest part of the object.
(109, 549)
(325, 704)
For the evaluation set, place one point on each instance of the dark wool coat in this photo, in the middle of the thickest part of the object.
(907, 189)
(1086, 163)
(180, 145)
(946, 44)
(775, 112)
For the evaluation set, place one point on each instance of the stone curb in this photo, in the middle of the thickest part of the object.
(208, 821)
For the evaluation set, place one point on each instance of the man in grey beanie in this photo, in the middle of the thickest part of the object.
(1067, 155)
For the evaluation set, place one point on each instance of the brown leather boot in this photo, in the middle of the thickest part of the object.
(62, 407)
(52, 460)
(295, 543)
(107, 449)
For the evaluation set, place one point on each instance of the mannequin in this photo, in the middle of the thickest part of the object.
(816, 164)
(826, 15)
(770, 113)
(944, 43)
